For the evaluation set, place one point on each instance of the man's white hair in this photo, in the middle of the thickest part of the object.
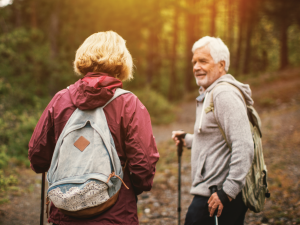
(218, 50)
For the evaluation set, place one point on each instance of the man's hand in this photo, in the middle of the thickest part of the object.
(175, 138)
(213, 203)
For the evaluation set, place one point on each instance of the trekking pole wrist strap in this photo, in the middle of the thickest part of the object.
(223, 197)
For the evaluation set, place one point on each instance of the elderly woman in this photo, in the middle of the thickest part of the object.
(105, 62)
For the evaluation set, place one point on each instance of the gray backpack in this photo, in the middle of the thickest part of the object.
(85, 174)
(256, 188)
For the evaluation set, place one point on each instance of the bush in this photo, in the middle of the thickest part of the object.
(161, 111)
(4, 158)
(17, 122)
(6, 181)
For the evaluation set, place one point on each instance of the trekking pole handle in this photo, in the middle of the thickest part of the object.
(180, 145)
(214, 189)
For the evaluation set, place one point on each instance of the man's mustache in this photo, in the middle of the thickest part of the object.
(199, 73)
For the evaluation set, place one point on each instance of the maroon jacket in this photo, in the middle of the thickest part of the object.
(130, 126)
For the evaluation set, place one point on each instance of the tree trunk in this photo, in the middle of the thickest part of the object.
(284, 61)
(213, 18)
(247, 58)
(230, 23)
(53, 32)
(251, 18)
(33, 19)
(17, 8)
(151, 56)
(265, 61)
(240, 35)
(191, 21)
(238, 50)
(152, 48)
(173, 74)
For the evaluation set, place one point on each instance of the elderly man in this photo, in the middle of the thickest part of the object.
(213, 162)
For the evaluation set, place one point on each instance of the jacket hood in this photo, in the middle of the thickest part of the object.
(244, 88)
(93, 90)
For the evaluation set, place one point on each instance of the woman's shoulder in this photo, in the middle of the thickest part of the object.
(129, 98)
(60, 95)
(60, 102)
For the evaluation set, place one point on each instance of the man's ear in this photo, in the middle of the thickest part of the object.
(222, 65)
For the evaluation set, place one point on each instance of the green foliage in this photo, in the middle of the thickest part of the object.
(38, 41)
(161, 111)
(267, 101)
(294, 47)
(7, 181)
(16, 131)
(26, 67)
(27, 79)
(3, 156)
(22, 91)
(17, 122)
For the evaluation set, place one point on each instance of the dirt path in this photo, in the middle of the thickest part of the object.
(160, 205)
(281, 146)
(281, 149)
(24, 204)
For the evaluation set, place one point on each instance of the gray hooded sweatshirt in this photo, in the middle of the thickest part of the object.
(212, 162)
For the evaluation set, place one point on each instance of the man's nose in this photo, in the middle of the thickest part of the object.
(197, 66)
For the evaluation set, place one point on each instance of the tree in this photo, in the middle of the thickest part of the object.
(213, 15)
(33, 17)
(241, 28)
(230, 24)
(283, 13)
(251, 19)
(173, 73)
(53, 29)
(190, 25)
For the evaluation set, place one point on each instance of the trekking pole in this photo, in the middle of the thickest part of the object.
(42, 199)
(214, 189)
(179, 154)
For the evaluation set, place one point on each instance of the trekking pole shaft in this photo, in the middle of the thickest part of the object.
(216, 220)
(42, 199)
(179, 154)
(179, 189)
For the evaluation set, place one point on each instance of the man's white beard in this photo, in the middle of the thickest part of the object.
(197, 81)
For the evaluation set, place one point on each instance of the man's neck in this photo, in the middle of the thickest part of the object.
(202, 89)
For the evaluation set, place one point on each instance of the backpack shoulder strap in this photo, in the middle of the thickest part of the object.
(212, 108)
(251, 112)
(118, 92)
(225, 83)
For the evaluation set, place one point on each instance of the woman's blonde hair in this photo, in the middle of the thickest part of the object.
(104, 52)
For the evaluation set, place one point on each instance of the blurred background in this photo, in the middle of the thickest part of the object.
(38, 41)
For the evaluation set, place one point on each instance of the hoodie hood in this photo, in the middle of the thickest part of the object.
(244, 88)
(93, 90)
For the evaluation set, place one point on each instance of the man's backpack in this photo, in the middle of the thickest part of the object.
(256, 188)
(85, 175)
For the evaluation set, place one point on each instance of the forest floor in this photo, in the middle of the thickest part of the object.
(277, 99)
